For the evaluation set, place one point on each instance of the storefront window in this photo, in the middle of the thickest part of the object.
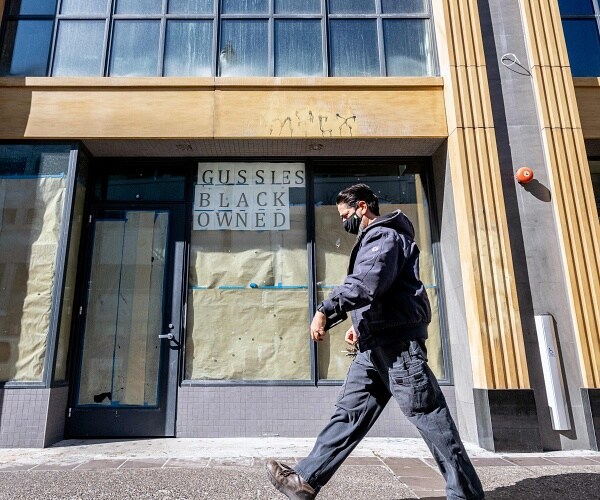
(248, 304)
(248, 283)
(32, 192)
(68, 302)
(395, 190)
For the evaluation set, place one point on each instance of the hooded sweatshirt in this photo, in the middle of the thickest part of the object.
(382, 291)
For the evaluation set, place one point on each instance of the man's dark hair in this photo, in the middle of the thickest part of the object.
(359, 192)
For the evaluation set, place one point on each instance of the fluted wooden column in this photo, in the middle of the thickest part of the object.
(493, 319)
(569, 177)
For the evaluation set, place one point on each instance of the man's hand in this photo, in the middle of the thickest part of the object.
(351, 337)
(317, 326)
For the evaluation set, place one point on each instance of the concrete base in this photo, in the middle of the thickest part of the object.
(591, 410)
(507, 420)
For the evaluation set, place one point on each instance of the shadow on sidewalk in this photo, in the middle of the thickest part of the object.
(75, 443)
(556, 487)
(576, 486)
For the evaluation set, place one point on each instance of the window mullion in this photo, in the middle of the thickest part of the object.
(109, 35)
(162, 37)
(271, 42)
(380, 47)
(215, 38)
(53, 42)
(105, 51)
(325, 37)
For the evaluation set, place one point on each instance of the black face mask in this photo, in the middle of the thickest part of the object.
(352, 223)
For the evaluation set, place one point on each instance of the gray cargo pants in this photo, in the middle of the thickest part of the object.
(398, 370)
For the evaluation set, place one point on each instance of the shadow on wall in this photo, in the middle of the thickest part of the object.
(537, 189)
(15, 108)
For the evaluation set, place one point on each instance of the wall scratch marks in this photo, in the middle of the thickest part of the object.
(310, 124)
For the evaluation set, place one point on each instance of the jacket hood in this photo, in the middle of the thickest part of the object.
(395, 220)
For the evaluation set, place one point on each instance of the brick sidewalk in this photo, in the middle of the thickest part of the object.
(415, 478)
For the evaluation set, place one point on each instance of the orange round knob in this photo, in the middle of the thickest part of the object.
(524, 175)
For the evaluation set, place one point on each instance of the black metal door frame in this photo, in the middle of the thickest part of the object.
(126, 421)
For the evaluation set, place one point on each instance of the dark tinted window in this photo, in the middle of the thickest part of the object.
(576, 7)
(26, 47)
(33, 7)
(161, 183)
(581, 25)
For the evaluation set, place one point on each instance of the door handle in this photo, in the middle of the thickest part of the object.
(166, 336)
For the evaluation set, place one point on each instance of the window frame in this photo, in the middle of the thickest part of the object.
(423, 166)
(109, 17)
(49, 364)
(379, 16)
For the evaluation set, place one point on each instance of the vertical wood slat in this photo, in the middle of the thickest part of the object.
(478, 344)
(493, 317)
(569, 177)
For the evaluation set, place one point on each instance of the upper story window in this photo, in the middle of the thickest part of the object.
(27, 37)
(581, 24)
(218, 37)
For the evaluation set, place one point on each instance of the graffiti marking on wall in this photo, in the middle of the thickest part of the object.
(345, 122)
(305, 124)
(282, 123)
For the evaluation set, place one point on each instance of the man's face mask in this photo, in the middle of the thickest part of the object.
(352, 223)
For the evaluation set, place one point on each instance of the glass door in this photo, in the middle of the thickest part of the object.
(130, 324)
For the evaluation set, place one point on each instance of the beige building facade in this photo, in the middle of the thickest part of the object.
(199, 209)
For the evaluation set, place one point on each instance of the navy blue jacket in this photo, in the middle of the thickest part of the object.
(383, 291)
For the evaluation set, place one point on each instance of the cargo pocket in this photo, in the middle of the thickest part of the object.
(413, 389)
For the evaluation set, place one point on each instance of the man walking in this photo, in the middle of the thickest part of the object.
(390, 313)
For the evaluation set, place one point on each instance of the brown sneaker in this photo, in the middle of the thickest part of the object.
(287, 480)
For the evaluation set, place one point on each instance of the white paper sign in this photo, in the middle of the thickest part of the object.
(245, 196)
